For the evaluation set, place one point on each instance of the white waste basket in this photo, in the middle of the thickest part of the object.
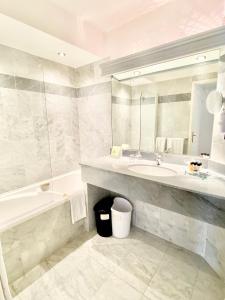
(121, 217)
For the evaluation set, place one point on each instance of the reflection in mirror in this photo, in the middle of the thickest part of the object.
(174, 115)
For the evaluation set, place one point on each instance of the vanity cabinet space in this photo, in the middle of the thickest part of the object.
(191, 220)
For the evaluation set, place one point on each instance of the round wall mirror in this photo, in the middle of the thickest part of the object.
(214, 102)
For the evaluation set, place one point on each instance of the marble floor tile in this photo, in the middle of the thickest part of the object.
(141, 267)
(183, 257)
(136, 271)
(149, 252)
(83, 281)
(169, 285)
(114, 253)
(208, 286)
(117, 289)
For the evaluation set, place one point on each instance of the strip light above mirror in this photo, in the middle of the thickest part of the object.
(208, 56)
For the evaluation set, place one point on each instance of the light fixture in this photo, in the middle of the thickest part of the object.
(214, 102)
(216, 105)
(61, 53)
(201, 58)
(137, 73)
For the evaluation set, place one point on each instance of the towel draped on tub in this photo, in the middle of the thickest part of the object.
(78, 204)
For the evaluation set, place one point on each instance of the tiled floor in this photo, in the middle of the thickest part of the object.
(141, 267)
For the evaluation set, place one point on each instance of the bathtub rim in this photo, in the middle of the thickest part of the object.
(38, 184)
(65, 198)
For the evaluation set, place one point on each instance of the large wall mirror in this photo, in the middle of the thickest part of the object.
(162, 108)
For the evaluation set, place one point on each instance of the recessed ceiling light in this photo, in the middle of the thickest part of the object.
(201, 58)
(137, 73)
(61, 53)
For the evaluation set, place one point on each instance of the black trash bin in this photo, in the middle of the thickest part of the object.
(103, 216)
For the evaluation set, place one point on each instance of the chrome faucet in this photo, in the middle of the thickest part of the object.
(136, 155)
(158, 159)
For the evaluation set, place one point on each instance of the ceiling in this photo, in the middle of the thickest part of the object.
(106, 14)
(29, 39)
(89, 30)
(76, 27)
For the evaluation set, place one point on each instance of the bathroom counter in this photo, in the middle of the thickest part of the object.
(213, 185)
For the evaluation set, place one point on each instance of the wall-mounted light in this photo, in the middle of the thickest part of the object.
(201, 58)
(214, 102)
(215, 105)
(61, 53)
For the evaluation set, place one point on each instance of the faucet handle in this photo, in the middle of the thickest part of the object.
(158, 159)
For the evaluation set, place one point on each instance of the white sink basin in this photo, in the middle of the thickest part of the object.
(152, 170)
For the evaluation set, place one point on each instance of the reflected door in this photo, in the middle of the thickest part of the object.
(200, 136)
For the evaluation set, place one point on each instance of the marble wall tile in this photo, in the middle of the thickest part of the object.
(39, 116)
(183, 231)
(27, 84)
(24, 138)
(12, 178)
(121, 90)
(63, 126)
(7, 81)
(6, 65)
(9, 99)
(58, 74)
(95, 125)
(90, 74)
(37, 171)
(27, 65)
(50, 231)
(178, 229)
(56, 89)
(215, 249)
(106, 180)
(147, 217)
(119, 100)
(95, 89)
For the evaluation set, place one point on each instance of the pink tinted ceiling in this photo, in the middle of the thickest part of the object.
(107, 15)
(174, 20)
(115, 28)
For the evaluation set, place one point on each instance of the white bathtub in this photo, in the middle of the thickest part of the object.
(23, 204)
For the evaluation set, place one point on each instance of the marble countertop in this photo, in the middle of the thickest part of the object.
(213, 185)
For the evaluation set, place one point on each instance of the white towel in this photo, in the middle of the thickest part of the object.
(78, 205)
(175, 145)
(4, 290)
(160, 144)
